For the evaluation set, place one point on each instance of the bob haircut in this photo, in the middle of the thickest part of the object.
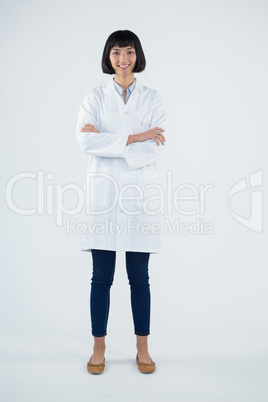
(123, 39)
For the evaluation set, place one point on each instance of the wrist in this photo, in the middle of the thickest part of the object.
(131, 139)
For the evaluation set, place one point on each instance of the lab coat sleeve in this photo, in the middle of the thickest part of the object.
(99, 144)
(144, 153)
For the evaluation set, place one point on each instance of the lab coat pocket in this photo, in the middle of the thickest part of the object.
(129, 192)
(98, 191)
(146, 123)
(139, 194)
(149, 184)
(139, 123)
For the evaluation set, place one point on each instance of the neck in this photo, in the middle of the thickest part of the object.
(124, 81)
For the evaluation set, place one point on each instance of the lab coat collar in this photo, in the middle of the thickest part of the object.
(129, 89)
(115, 96)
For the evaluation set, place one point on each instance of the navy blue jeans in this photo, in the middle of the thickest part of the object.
(102, 280)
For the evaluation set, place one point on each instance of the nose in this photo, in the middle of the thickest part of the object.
(123, 59)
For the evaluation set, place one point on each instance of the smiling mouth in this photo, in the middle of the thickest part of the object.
(123, 66)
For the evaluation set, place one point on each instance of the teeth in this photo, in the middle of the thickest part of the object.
(124, 66)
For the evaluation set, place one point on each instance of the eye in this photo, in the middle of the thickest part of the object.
(115, 52)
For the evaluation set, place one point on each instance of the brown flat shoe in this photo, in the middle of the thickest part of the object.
(95, 368)
(145, 367)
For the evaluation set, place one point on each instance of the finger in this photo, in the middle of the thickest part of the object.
(87, 126)
(159, 128)
(161, 137)
(86, 130)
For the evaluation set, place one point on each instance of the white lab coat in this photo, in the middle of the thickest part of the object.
(112, 164)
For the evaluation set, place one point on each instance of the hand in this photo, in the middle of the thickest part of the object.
(89, 128)
(153, 134)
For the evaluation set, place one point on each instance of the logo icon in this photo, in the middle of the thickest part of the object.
(255, 222)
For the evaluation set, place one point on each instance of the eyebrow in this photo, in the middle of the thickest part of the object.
(114, 48)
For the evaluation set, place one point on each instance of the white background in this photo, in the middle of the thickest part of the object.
(208, 60)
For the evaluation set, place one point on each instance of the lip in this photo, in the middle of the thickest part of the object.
(124, 67)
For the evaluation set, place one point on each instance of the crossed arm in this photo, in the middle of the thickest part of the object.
(137, 150)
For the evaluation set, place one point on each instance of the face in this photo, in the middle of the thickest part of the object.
(123, 59)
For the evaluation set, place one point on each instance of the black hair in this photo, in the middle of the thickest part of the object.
(123, 38)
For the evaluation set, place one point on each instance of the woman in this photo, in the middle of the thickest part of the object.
(120, 126)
